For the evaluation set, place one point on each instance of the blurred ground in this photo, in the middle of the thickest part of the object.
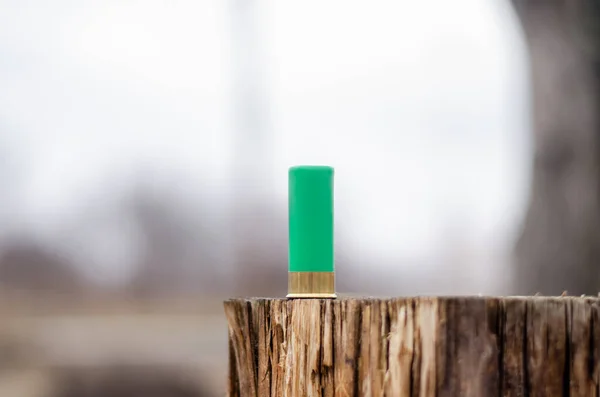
(174, 348)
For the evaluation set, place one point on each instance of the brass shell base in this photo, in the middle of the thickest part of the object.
(316, 285)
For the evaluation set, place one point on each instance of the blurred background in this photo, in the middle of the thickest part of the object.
(144, 148)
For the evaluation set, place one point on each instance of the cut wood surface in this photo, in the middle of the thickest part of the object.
(443, 346)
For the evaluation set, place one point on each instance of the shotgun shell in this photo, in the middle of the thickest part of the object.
(311, 264)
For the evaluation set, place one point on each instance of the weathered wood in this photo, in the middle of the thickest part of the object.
(415, 347)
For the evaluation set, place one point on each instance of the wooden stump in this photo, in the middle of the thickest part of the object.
(462, 346)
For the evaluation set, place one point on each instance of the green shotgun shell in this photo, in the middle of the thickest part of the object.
(311, 263)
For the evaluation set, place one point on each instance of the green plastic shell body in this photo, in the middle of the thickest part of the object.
(311, 219)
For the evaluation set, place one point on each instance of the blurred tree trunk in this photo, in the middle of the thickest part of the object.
(559, 248)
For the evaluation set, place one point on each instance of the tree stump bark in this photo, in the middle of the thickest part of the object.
(462, 346)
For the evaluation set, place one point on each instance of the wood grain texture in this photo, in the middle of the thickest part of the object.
(414, 347)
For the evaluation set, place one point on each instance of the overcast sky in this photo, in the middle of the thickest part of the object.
(420, 105)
